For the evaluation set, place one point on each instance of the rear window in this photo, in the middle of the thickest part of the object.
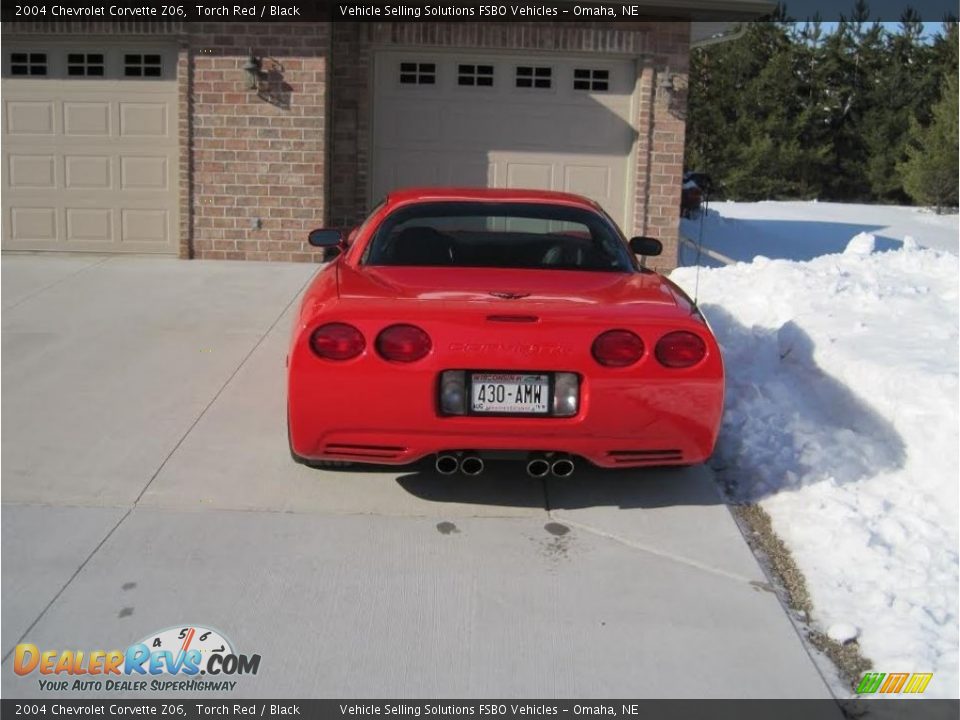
(499, 235)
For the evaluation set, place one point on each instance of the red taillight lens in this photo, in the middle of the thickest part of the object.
(403, 343)
(617, 348)
(680, 350)
(337, 341)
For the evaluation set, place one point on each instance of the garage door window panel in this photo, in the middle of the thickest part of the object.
(148, 65)
(536, 78)
(28, 64)
(591, 80)
(418, 73)
(85, 65)
(470, 75)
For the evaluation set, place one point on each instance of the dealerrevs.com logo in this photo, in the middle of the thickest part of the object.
(191, 658)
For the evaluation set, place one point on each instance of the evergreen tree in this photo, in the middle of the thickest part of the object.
(930, 170)
(788, 111)
(768, 152)
(814, 121)
(899, 88)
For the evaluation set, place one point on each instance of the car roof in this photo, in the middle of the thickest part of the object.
(427, 194)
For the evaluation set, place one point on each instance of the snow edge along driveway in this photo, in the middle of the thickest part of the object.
(842, 387)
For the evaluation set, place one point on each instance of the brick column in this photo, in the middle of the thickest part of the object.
(185, 134)
(662, 119)
(259, 156)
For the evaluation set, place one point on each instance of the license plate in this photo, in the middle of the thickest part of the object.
(513, 393)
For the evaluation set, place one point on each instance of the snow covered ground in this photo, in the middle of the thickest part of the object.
(805, 230)
(842, 410)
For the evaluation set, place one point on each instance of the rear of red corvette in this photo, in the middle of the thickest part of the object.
(391, 363)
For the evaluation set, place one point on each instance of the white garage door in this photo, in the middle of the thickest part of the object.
(503, 121)
(90, 147)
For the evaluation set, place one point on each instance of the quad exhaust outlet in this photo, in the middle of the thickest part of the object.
(447, 464)
(538, 467)
(471, 465)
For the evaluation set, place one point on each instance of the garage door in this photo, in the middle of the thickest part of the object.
(538, 121)
(90, 147)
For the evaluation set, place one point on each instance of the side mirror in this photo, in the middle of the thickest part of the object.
(325, 238)
(646, 246)
(330, 240)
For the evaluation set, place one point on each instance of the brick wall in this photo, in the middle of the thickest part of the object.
(258, 156)
(660, 46)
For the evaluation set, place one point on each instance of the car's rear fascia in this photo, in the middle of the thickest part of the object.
(368, 409)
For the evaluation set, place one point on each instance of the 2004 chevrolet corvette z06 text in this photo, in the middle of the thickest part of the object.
(469, 324)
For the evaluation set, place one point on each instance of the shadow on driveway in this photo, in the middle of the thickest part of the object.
(504, 483)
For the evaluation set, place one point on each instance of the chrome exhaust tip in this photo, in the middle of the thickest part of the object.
(471, 465)
(562, 468)
(447, 464)
(538, 468)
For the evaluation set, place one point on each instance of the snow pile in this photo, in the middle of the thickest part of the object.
(842, 422)
(861, 244)
(842, 633)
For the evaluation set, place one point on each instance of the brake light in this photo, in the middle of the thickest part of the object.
(337, 341)
(680, 349)
(403, 343)
(617, 348)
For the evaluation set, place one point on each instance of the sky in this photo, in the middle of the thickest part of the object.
(929, 28)
(930, 10)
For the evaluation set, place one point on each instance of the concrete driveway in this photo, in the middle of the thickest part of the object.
(147, 484)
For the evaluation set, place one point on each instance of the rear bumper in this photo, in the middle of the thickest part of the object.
(383, 448)
(623, 421)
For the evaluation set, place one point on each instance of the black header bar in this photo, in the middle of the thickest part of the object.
(452, 10)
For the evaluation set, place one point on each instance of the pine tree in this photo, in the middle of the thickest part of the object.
(812, 124)
(768, 154)
(930, 171)
(786, 111)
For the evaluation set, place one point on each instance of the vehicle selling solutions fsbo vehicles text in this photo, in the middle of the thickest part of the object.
(484, 11)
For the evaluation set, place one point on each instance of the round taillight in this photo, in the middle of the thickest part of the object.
(337, 341)
(680, 349)
(403, 343)
(617, 348)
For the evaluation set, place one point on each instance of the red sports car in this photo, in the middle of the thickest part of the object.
(469, 324)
